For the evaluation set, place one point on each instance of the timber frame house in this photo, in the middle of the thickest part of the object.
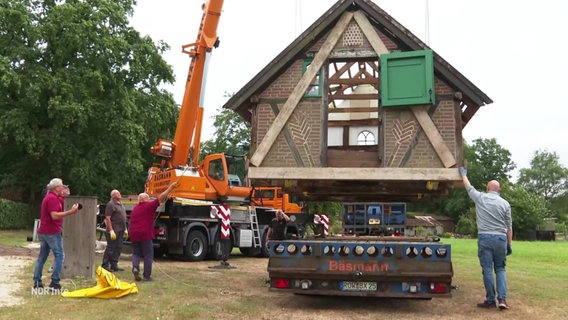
(334, 115)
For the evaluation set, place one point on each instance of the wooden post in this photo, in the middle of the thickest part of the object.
(79, 237)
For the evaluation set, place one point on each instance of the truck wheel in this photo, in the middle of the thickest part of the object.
(246, 251)
(196, 246)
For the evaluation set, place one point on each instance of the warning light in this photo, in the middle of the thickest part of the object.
(438, 287)
(281, 283)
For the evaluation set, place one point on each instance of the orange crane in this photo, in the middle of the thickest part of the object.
(210, 179)
(188, 224)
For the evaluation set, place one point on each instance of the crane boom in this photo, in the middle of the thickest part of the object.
(187, 139)
(188, 130)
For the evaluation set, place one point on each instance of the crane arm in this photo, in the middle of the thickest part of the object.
(188, 131)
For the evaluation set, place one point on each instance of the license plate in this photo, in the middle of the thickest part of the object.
(374, 221)
(358, 286)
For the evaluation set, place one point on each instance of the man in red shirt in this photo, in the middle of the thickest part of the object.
(142, 231)
(49, 233)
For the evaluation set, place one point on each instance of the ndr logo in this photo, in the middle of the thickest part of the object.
(47, 291)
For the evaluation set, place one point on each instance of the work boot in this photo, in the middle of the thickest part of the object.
(136, 273)
(486, 304)
(503, 305)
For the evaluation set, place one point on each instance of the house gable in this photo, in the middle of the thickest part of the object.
(333, 146)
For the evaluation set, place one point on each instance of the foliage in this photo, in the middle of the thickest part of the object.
(15, 215)
(466, 225)
(561, 228)
(420, 231)
(546, 176)
(79, 96)
(527, 209)
(487, 160)
(333, 209)
(453, 206)
(446, 235)
(559, 207)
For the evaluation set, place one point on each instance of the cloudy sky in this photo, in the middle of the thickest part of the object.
(511, 49)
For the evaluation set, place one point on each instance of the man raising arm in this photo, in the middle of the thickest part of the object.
(142, 231)
(495, 233)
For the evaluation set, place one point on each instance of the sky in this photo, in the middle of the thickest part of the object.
(510, 49)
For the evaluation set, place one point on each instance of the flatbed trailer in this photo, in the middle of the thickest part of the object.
(375, 266)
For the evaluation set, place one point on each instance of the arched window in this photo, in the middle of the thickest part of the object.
(365, 138)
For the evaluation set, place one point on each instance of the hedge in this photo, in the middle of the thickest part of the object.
(14, 215)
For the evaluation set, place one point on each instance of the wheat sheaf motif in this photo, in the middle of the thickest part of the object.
(402, 131)
(300, 130)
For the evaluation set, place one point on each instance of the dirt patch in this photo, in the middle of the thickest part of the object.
(29, 251)
(12, 261)
(10, 267)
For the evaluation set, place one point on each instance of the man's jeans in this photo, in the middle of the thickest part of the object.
(492, 252)
(53, 242)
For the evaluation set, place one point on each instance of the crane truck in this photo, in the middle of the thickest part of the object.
(188, 224)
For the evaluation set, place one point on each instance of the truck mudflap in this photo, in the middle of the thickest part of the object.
(395, 269)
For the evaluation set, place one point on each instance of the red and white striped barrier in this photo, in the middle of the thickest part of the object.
(322, 219)
(223, 213)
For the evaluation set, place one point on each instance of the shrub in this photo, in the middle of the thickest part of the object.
(446, 235)
(14, 215)
(466, 225)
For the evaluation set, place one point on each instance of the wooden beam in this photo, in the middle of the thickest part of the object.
(370, 33)
(353, 110)
(349, 123)
(367, 174)
(300, 89)
(355, 96)
(354, 81)
(338, 73)
(434, 136)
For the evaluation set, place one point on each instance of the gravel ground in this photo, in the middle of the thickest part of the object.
(13, 260)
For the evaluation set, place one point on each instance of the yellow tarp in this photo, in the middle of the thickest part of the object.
(108, 287)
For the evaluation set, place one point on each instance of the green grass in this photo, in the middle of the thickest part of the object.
(537, 278)
(15, 238)
(538, 270)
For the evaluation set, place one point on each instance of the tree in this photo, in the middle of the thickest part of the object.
(487, 160)
(546, 176)
(466, 225)
(80, 96)
(527, 209)
(559, 208)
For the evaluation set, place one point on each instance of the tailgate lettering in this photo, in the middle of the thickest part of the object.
(342, 266)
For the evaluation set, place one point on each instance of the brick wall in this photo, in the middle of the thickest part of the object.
(422, 154)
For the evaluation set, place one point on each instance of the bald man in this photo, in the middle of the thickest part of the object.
(142, 220)
(495, 234)
(115, 221)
